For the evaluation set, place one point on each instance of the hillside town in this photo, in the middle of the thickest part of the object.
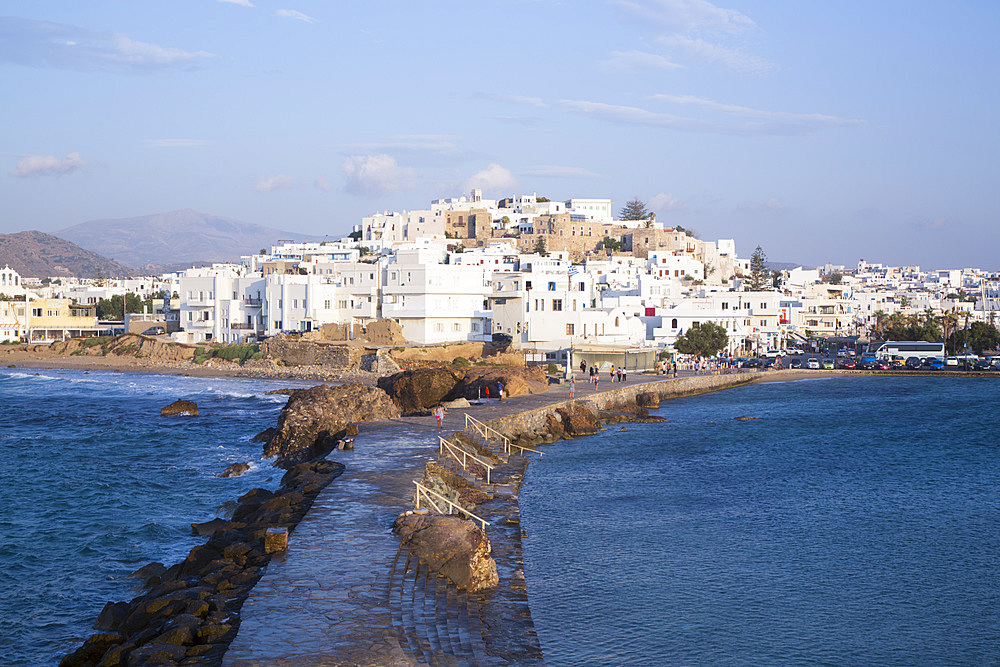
(549, 277)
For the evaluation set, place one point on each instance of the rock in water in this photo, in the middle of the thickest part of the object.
(209, 527)
(452, 546)
(180, 407)
(647, 399)
(235, 470)
(316, 418)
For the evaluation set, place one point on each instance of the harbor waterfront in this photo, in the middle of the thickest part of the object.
(386, 486)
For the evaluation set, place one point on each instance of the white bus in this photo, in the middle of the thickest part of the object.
(906, 348)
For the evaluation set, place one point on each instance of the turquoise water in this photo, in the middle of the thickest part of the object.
(853, 521)
(96, 484)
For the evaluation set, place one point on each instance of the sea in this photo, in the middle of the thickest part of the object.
(848, 521)
(95, 484)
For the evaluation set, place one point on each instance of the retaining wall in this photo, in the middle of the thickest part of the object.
(621, 398)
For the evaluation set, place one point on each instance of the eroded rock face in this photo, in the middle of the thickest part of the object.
(180, 407)
(314, 419)
(647, 399)
(417, 390)
(452, 546)
(235, 470)
(422, 388)
(578, 420)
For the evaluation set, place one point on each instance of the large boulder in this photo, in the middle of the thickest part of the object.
(420, 389)
(452, 546)
(578, 420)
(180, 407)
(314, 418)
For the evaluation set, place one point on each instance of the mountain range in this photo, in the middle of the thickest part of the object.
(183, 237)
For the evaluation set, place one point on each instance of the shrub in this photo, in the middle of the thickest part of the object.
(553, 369)
(461, 361)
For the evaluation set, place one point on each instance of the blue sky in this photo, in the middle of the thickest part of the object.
(820, 131)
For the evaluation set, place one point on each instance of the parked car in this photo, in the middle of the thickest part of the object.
(813, 363)
(828, 364)
(154, 331)
(848, 364)
(980, 365)
(995, 362)
(881, 365)
(795, 363)
(931, 364)
(912, 363)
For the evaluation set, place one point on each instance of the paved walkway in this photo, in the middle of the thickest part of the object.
(324, 601)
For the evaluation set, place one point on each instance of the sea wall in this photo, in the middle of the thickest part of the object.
(622, 398)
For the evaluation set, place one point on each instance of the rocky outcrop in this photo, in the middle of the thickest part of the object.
(180, 407)
(191, 614)
(451, 546)
(578, 420)
(418, 390)
(421, 389)
(235, 470)
(315, 419)
(647, 399)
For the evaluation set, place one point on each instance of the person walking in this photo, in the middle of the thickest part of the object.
(439, 416)
(619, 374)
(499, 391)
(572, 387)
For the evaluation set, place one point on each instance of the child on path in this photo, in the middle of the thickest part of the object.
(439, 416)
(572, 386)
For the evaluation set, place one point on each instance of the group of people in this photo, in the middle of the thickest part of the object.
(616, 374)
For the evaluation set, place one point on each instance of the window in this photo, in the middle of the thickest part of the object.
(326, 304)
(673, 323)
(569, 329)
(552, 287)
(439, 327)
(456, 327)
(725, 306)
(556, 304)
(342, 303)
(36, 312)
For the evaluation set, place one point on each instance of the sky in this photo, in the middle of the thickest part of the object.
(820, 131)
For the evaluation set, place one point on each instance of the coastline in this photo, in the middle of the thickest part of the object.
(508, 614)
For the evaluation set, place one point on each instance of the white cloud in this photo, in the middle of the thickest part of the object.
(176, 143)
(627, 60)
(747, 112)
(373, 175)
(793, 125)
(513, 99)
(491, 179)
(555, 171)
(45, 44)
(271, 183)
(700, 49)
(666, 202)
(48, 165)
(686, 15)
(241, 3)
(322, 183)
(293, 14)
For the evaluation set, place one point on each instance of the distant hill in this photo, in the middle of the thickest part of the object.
(39, 255)
(786, 266)
(179, 237)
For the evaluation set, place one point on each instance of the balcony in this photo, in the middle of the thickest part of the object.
(252, 303)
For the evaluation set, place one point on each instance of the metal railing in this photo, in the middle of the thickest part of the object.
(462, 456)
(484, 431)
(427, 493)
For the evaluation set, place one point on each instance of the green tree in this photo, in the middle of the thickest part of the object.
(111, 309)
(760, 276)
(540, 246)
(702, 339)
(634, 209)
(980, 337)
(614, 245)
(835, 278)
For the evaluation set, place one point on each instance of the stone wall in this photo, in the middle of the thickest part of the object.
(294, 352)
(621, 398)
